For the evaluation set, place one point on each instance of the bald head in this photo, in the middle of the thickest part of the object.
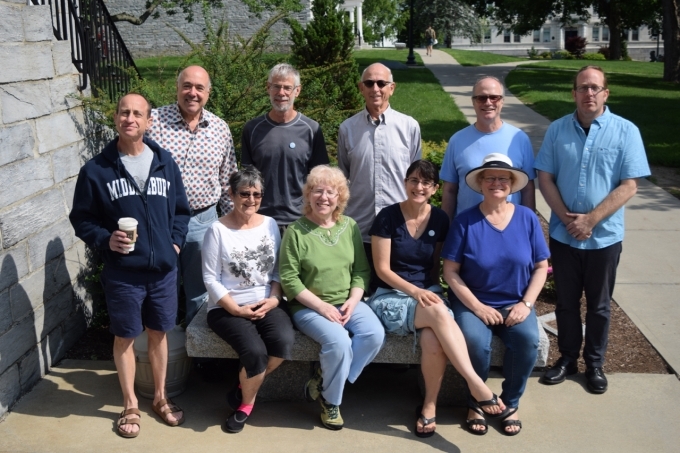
(193, 90)
(378, 67)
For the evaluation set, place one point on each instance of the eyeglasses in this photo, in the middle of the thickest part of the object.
(425, 184)
(596, 89)
(321, 192)
(381, 83)
(286, 88)
(246, 195)
(492, 179)
(482, 98)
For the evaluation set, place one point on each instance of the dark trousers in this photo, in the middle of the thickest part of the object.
(374, 282)
(255, 341)
(576, 271)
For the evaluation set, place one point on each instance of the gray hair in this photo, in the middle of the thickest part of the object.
(483, 78)
(284, 70)
(363, 73)
(246, 177)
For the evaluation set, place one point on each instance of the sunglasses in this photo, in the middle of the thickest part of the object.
(246, 195)
(491, 97)
(381, 83)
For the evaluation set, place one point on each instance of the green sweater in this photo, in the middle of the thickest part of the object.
(326, 261)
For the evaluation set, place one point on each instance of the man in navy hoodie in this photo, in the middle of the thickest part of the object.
(134, 177)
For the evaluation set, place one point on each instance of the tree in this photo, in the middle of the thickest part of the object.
(522, 17)
(671, 44)
(449, 18)
(382, 19)
(171, 7)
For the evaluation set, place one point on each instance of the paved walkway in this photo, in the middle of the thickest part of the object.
(648, 280)
(74, 408)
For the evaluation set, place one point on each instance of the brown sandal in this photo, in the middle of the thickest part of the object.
(172, 407)
(124, 419)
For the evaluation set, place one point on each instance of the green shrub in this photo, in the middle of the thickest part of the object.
(562, 55)
(593, 56)
(532, 53)
(434, 152)
(546, 55)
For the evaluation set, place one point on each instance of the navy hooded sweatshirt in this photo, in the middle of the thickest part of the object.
(105, 192)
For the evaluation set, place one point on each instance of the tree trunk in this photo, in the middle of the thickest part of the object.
(671, 43)
(613, 20)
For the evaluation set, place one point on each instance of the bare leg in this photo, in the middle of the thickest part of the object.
(158, 356)
(124, 358)
(433, 365)
(452, 341)
(249, 387)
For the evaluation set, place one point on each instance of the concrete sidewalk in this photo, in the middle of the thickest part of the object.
(648, 278)
(74, 408)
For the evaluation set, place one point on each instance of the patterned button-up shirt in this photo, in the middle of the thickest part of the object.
(375, 157)
(205, 156)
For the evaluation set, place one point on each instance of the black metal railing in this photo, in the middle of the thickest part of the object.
(97, 49)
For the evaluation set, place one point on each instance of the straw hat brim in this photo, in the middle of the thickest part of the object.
(520, 180)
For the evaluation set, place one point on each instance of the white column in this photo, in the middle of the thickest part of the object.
(351, 16)
(360, 20)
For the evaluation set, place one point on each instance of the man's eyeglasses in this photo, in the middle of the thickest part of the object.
(286, 88)
(482, 98)
(596, 89)
(246, 195)
(381, 83)
(321, 192)
(492, 179)
(425, 184)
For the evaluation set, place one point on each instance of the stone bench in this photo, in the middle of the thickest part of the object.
(400, 45)
(286, 383)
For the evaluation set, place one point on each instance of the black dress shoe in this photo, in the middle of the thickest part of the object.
(597, 382)
(557, 373)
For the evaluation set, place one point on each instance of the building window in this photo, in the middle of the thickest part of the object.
(506, 35)
(635, 35)
(546, 35)
(596, 34)
(537, 35)
(487, 36)
(516, 38)
(605, 34)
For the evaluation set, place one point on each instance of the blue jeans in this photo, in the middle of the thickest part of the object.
(521, 343)
(190, 264)
(343, 357)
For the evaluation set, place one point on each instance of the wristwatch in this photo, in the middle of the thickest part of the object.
(528, 304)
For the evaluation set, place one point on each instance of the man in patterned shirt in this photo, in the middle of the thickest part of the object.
(203, 148)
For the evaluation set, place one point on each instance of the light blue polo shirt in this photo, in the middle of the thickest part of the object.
(588, 168)
(468, 147)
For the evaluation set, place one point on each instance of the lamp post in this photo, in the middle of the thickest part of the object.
(411, 60)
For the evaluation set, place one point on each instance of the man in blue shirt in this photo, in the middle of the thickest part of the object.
(587, 167)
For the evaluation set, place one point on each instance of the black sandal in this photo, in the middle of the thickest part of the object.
(477, 421)
(425, 421)
(492, 402)
(509, 423)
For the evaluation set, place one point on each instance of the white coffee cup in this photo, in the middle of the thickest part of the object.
(128, 225)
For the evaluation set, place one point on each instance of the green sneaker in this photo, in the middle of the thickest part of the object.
(330, 415)
(313, 386)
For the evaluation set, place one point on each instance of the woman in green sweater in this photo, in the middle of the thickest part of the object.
(324, 272)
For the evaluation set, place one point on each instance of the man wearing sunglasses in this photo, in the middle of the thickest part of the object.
(588, 168)
(284, 145)
(489, 134)
(201, 145)
(375, 148)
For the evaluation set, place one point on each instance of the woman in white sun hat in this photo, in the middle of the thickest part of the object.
(496, 262)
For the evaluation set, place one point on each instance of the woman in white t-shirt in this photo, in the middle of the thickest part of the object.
(240, 271)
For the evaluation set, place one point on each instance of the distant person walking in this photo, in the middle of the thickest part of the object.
(430, 38)
(588, 168)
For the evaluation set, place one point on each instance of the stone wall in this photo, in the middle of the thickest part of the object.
(156, 37)
(43, 308)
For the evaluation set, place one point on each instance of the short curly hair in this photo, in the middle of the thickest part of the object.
(330, 176)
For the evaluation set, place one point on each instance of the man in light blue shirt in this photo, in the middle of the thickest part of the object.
(587, 167)
(468, 147)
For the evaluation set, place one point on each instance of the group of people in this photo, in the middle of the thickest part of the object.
(347, 254)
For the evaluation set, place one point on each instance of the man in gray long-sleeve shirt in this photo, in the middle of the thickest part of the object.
(375, 148)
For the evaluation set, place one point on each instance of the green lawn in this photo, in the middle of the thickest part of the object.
(647, 101)
(366, 57)
(476, 58)
(622, 67)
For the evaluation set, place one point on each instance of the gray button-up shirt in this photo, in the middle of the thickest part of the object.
(375, 158)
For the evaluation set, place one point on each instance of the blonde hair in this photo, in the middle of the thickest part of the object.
(326, 175)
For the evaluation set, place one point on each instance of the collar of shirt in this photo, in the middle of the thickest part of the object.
(383, 116)
(600, 120)
(178, 118)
